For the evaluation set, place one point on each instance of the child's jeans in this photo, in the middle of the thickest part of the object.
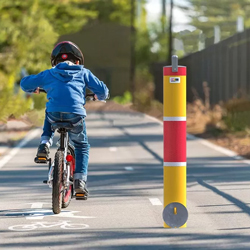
(77, 135)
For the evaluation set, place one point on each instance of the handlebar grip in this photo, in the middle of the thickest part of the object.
(90, 95)
(42, 91)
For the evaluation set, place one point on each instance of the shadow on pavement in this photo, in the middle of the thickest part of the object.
(137, 238)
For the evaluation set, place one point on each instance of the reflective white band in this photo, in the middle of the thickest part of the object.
(177, 118)
(175, 164)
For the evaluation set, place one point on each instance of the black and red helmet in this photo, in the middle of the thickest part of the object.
(65, 50)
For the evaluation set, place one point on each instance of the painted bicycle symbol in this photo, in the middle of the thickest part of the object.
(62, 224)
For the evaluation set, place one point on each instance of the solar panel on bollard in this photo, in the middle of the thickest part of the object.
(174, 100)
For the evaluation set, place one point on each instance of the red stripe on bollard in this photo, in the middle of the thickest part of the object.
(174, 141)
(167, 71)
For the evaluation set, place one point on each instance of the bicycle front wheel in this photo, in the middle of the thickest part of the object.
(57, 183)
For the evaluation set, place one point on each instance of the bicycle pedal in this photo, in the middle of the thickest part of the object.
(81, 196)
(41, 160)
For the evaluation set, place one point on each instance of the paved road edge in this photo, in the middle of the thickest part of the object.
(31, 135)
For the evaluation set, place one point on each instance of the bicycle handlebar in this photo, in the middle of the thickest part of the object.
(42, 90)
(92, 96)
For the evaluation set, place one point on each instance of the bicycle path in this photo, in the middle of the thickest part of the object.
(125, 181)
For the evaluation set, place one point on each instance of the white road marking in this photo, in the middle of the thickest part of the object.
(155, 201)
(3, 149)
(37, 205)
(70, 214)
(41, 213)
(113, 149)
(153, 119)
(129, 168)
(62, 224)
(218, 148)
(32, 134)
(238, 157)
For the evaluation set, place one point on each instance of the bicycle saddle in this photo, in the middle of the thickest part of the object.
(66, 125)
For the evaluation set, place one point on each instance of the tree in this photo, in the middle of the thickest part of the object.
(207, 14)
(117, 11)
(29, 29)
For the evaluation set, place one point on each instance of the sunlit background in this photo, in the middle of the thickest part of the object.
(126, 43)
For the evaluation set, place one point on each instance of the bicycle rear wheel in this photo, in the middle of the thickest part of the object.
(68, 193)
(57, 183)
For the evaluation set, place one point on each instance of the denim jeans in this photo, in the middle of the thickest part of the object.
(77, 135)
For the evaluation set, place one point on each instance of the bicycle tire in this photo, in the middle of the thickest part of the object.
(57, 183)
(67, 194)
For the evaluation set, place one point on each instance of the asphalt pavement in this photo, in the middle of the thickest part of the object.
(124, 210)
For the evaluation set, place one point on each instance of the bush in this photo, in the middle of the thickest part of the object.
(237, 114)
(125, 99)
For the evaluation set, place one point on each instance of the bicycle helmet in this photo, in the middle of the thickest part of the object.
(66, 50)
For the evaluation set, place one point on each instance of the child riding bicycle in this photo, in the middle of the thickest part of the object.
(66, 85)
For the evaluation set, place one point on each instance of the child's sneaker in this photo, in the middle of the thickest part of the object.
(43, 151)
(81, 190)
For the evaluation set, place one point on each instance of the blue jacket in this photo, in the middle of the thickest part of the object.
(66, 86)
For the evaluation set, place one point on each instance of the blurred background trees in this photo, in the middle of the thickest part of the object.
(30, 29)
(213, 18)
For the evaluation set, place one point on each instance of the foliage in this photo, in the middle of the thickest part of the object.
(30, 28)
(36, 117)
(237, 114)
(28, 32)
(118, 11)
(205, 15)
(190, 40)
(125, 99)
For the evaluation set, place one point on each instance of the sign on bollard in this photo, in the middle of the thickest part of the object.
(174, 99)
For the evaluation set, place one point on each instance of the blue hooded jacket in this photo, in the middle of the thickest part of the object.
(66, 85)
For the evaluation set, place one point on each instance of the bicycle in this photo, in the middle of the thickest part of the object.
(63, 224)
(60, 175)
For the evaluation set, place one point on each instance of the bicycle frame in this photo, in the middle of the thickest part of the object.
(64, 139)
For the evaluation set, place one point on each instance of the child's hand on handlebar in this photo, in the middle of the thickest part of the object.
(37, 91)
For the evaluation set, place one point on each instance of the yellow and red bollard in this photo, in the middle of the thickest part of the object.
(175, 212)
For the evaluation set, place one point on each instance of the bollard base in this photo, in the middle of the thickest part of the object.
(175, 215)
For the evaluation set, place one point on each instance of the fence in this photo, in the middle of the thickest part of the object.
(225, 67)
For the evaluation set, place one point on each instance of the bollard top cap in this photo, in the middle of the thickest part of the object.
(174, 63)
(182, 71)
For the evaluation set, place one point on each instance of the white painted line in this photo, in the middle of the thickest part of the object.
(62, 224)
(175, 164)
(155, 201)
(153, 119)
(214, 146)
(246, 161)
(113, 149)
(238, 157)
(37, 205)
(129, 168)
(32, 134)
(3, 149)
(71, 215)
(218, 148)
(174, 118)
(39, 214)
